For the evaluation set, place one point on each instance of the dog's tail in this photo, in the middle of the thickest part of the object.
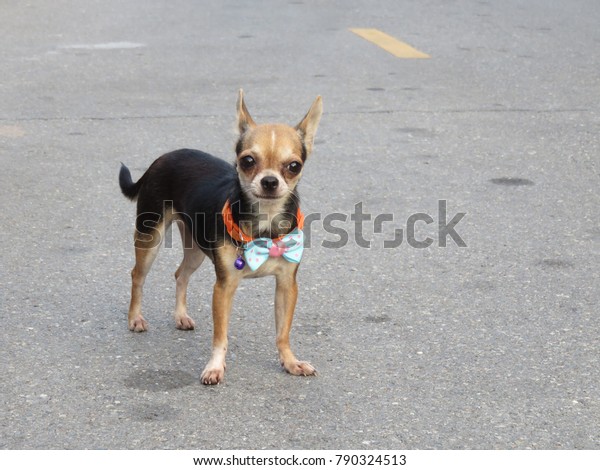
(128, 187)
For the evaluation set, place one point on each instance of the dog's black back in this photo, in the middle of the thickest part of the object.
(191, 183)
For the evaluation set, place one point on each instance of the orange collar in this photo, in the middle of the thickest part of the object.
(236, 232)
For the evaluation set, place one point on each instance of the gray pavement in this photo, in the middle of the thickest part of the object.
(490, 346)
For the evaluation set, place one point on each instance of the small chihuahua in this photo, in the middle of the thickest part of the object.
(245, 217)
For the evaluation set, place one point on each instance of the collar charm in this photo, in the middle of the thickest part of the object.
(239, 263)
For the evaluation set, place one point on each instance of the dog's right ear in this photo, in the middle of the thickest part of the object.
(244, 119)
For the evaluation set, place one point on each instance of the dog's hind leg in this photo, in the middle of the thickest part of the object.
(146, 249)
(192, 259)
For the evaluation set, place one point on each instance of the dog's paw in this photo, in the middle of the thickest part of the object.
(138, 324)
(184, 323)
(299, 368)
(212, 375)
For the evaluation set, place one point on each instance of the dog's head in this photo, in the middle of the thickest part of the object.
(271, 157)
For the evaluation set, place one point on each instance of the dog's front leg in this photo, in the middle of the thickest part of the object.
(223, 293)
(286, 294)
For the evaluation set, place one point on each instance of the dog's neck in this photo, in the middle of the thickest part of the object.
(269, 219)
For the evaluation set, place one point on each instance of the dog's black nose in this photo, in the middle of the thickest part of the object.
(269, 183)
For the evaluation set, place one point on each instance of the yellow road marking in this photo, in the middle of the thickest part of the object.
(11, 131)
(389, 43)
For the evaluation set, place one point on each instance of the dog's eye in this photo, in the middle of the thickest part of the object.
(295, 167)
(247, 162)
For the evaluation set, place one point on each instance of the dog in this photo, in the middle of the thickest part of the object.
(245, 217)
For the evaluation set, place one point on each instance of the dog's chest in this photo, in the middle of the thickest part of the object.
(263, 226)
(271, 267)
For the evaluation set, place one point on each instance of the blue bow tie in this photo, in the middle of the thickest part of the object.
(290, 247)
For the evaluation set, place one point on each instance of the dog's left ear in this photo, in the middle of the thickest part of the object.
(308, 126)
(245, 121)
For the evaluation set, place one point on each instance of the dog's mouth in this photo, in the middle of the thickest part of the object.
(267, 196)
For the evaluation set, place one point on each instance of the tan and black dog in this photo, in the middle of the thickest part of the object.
(245, 217)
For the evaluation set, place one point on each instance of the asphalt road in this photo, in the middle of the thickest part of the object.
(494, 345)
